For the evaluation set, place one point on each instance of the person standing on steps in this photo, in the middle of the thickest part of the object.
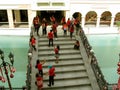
(76, 45)
(56, 50)
(54, 29)
(65, 28)
(36, 23)
(68, 24)
(39, 66)
(77, 25)
(63, 20)
(33, 42)
(44, 26)
(52, 19)
(51, 74)
(71, 31)
(39, 81)
(50, 37)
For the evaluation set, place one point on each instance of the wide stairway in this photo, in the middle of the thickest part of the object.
(71, 71)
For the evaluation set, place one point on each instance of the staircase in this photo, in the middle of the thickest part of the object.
(71, 73)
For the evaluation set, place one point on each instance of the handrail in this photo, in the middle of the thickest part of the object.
(94, 64)
(29, 67)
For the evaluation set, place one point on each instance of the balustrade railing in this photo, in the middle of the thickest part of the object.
(94, 64)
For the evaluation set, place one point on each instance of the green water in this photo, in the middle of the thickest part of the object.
(18, 45)
(107, 49)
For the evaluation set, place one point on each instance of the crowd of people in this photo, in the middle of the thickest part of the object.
(70, 26)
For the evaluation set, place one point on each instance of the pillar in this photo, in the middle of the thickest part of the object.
(67, 15)
(112, 21)
(10, 18)
(98, 21)
(17, 15)
(31, 15)
(83, 22)
(29, 18)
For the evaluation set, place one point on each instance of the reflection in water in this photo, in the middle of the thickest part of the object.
(18, 45)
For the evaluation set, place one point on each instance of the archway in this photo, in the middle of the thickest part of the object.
(91, 18)
(117, 18)
(105, 18)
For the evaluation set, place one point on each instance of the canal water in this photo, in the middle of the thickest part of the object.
(107, 49)
(18, 45)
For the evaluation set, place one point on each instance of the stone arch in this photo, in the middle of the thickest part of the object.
(117, 18)
(105, 18)
(91, 18)
(77, 15)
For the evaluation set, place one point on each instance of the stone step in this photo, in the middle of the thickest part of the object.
(57, 40)
(62, 47)
(64, 62)
(61, 52)
(70, 56)
(61, 59)
(79, 87)
(57, 43)
(59, 36)
(61, 65)
(43, 39)
(68, 75)
(67, 68)
(57, 78)
(69, 83)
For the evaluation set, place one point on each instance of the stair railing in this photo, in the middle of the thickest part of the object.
(94, 64)
(29, 67)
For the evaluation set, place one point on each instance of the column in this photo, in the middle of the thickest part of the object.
(29, 18)
(83, 22)
(98, 21)
(17, 15)
(10, 18)
(112, 21)
(31, 15)
(67, 15)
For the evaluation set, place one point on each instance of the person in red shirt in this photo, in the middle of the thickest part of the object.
(71, 31)
(52, 19)
(33, 42)
(36, 23)
(77, 25)
(50, 37)
(44, 26)
(54, 29)
(56, 50)
(68, 24)
(65, 28)
(63, 20)
(39, 66)
(39, 81)
(51, 73)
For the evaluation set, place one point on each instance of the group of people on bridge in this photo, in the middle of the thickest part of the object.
(67, 26)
